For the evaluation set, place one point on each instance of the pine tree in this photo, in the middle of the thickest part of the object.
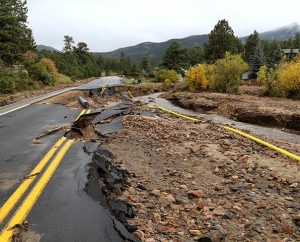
(15, 37)
(175, 58)
(145, 64)
(196, 55)
(68, 41)
(257, 59)
(251, 43)
(221, 40)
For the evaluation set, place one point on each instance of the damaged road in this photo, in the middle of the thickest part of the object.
(136, 173)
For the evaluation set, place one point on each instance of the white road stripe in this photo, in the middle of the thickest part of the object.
(15, 109)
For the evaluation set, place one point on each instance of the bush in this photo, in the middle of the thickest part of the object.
(7, 80)
(196, 78)
(39, 72)
(163, 74)
(262, 74)
(49, 65)
(285, 80)
(225, 74)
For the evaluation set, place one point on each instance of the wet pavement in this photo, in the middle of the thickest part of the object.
(65, 212)
(112, 81)
(72, 206)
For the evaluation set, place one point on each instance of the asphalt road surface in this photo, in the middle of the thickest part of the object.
(43, 182)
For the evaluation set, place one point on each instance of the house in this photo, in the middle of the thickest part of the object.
(290, 53)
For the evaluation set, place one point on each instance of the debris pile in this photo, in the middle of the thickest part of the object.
(197, 182)
(169, 179)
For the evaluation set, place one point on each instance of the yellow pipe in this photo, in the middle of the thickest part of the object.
(177, 114)
(257, 140)
(282, 151)
(131, 95)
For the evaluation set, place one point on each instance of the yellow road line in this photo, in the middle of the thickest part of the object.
(177, 114)
(257, 140)
(104, 87)
(22, 212)
(14, 198)
(81, 113)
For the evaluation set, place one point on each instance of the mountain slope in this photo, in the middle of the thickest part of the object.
(282, 33)
(45, 47)
(154, 50)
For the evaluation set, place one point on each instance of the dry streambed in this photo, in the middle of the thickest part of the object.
(267, 111)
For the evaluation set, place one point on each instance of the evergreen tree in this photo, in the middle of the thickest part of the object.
(68, 44)
(196, 55)
(175, 58)
(145, 64)
(15, 37)
(273, 53)
(257, 59)
(251, 43)
(221, 40)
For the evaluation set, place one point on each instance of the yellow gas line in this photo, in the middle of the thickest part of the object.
(257, 140)
(174, 113)
(130, 95)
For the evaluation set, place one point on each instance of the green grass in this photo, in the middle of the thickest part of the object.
(128, 81)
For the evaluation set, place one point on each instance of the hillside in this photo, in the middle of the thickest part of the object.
(156, 50)
(45, 47)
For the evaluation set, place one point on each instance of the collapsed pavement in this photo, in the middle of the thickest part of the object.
(168, 179)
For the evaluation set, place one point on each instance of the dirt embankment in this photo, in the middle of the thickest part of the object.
(268, 111)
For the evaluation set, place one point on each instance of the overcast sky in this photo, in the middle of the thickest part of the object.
(110, 24)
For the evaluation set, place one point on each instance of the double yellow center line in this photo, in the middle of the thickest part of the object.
(22, 211)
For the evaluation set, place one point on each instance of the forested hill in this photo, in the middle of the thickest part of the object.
(156, 50)
(45, 47)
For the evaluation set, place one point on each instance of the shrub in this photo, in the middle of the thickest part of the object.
(163, 74)
(225, 74)
(7, 80)
(196, 78)
(49, 65)
(285, 81)
(29, 57)
(39, 72)
(262, 74)
(63, 79)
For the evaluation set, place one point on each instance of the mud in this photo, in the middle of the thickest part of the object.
(266, 111)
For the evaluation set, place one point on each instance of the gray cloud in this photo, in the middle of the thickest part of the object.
(109, 24)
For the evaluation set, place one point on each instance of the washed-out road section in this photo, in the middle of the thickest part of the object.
(63, 212)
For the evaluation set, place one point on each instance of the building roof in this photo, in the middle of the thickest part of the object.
(289, 51)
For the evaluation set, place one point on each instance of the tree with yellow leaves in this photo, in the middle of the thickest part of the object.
(196, 78)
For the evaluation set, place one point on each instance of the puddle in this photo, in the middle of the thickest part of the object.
(154, 99)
